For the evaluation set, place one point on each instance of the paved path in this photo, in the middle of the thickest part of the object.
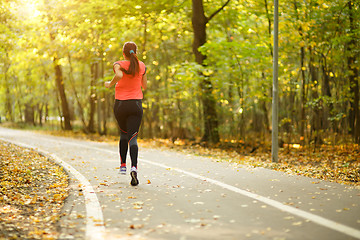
(190, 197)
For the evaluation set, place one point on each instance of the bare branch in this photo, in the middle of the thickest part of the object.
(217, 11)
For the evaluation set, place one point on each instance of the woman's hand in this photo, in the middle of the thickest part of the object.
(107, 84)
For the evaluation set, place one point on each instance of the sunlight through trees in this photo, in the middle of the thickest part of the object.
(55, 56)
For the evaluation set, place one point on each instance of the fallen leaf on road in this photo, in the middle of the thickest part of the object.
(136, 226)
(138, 205)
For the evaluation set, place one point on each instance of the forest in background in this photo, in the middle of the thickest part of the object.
(209, 66)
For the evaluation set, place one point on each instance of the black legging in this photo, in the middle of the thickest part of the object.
(128, 114)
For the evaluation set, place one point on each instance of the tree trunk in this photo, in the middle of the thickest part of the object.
(58, 72)
(18, 102)
(354, 114)
(81, 108)
(269, 27)
(303, 95)
(317, 103)
(98, 102)
(8, 104)
(40, 112)
(46, 112)
(8, 100)
(211, 125)
(104, 100)
(92, 99)
(242, 125)
(264, 108)
(59, 110)
(61, 89)
(29, 114)
(101, 107)
(303, 82)
(328, 107)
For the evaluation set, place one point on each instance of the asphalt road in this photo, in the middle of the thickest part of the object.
(190, 197)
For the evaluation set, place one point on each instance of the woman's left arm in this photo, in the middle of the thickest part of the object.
(144, 81)
(118, 75)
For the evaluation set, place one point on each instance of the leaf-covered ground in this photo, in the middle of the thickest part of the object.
(32, 193)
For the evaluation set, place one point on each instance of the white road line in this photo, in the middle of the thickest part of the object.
(300, 213)
(95, 228)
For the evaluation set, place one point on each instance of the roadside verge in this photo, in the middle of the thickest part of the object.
(95, 228)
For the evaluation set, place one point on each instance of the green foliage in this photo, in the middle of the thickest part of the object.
(87, 37)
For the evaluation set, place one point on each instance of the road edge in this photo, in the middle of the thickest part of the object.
(95, 227)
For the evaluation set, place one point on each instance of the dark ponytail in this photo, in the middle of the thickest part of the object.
(129, 50)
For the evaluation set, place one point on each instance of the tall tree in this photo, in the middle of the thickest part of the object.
(353, 77)
(7, 36)
(59, 79)
(199, 23)
(61, 89)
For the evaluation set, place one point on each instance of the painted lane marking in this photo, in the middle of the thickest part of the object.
(294, 211)
(95, 229)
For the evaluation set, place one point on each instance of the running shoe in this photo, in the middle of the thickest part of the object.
(133, 174)
(122, 170)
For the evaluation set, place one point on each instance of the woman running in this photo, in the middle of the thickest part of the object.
(130, 76)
